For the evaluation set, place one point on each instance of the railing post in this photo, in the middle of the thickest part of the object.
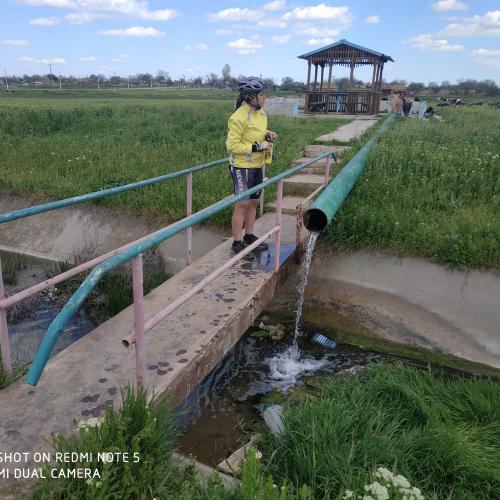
(328, 162)
(137, 282)
(277, 244)
(4, 331)
(262, 192)
(189, 211)
(298, 227)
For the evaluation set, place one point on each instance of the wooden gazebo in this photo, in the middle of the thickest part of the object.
(322, 98)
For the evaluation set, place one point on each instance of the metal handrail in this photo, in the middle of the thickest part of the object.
(67, 202)
(77, 299)
(75, 200)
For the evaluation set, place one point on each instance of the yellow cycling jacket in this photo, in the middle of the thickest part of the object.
(245, 127)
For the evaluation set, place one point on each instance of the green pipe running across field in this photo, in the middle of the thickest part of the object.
(320, 213)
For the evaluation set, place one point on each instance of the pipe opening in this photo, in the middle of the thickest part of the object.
(315, 220)
(125, 343)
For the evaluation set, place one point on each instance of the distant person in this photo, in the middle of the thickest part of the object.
(247, 141)
(406, 105)
(396, 104)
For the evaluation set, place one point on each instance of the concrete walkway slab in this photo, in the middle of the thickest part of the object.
(314, 150)
(302, 184)
(288, 204)
(347, 132)
(84, 379)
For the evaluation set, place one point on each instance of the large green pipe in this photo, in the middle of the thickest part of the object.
(320, 213)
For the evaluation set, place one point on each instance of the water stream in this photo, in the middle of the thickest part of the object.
(287, 366)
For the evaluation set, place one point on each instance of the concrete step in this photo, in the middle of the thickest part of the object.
(316, 149)
(302, 184)
(288, 204)
(317, 167)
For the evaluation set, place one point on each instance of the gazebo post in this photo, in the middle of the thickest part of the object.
(351, 76)
(322, 73)
(308, 86)
(315, 75)
(328, 96)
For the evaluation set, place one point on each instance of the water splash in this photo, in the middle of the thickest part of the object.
(287, 366)
(304, 275)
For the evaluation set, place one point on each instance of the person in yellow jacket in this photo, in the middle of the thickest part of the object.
(247, 141)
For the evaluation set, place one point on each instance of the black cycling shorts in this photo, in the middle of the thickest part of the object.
(246, 178)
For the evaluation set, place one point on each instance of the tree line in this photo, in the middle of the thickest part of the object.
(225, 80)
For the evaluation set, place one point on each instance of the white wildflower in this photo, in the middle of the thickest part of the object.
(368, 497)
(348, 494)
(401, 481)
(385, 474)
(91, 422)
(258, 454)
(378, 490)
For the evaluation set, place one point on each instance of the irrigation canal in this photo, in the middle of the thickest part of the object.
(86, 378)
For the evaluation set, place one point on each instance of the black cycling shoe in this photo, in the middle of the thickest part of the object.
(248, 239)
(238, 246)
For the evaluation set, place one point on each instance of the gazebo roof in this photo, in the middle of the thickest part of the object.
(328, 53)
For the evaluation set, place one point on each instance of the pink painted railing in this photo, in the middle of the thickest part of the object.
(6, 302)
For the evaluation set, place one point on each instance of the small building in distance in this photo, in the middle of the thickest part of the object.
(388, 90)
(322, 98)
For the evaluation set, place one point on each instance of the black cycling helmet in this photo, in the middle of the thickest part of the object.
(250, 85)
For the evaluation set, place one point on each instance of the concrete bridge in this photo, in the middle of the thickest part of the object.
(86, 378)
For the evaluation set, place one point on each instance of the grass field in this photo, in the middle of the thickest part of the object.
(431, 189)
(441, 434)
(56, 147)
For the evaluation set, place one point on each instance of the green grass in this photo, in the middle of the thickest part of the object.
(146, 431)
(55, 148)
(430, 189)
(442, 434)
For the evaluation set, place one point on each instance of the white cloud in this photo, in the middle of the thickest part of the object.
(444, 5)
(372, 19)
(271, 23)
(428, 43)
(321, 12)
(93, 10)
(276, 5)
(84, 17)
(44, 21)
(316, 32)
(491, 63)
(486, 25)
(88, 58)
(31, 60)
(485, 53)
(223, 32)
(236, 14)
(244, 46)
(281, 40)
(196, 47)
(135, 32)
(320, 41)
(16, 43)
(58, 4)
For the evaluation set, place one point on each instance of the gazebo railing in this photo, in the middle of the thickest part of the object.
(351, 102)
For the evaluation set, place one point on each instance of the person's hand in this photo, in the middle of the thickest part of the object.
(271, 136)
(261, 146)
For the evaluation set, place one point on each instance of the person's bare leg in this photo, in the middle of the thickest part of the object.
(239, 212)
(250, 214)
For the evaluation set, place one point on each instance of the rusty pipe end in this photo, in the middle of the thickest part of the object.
(127, 341)
(315, 220)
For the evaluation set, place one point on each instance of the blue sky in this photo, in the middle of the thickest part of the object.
(429, 40)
